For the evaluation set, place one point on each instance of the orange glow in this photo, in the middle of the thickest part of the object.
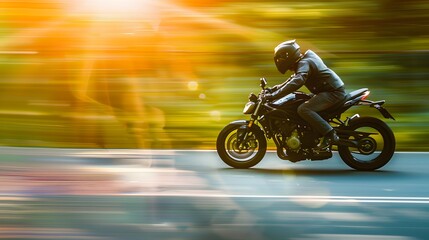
(114, 8)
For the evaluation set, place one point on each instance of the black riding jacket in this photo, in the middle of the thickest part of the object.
(311, 72)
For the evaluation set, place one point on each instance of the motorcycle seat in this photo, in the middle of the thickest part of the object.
(328, 113)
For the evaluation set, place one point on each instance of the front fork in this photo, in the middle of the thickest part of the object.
(244, 130)
(243, 133)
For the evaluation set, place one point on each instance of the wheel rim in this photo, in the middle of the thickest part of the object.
(369, 148)
(246, 151)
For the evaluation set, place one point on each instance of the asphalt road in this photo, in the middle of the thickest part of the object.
(134, 194)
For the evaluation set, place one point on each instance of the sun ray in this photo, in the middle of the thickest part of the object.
(258, 36)
(27, 36)
(81, 84)
(209, 19)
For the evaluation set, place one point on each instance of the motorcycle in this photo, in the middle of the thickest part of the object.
(365, 143)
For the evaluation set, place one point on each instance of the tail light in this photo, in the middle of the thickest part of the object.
(365, 95)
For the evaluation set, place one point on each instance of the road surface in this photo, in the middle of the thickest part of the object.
(136, 194)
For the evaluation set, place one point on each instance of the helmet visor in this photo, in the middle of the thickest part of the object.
(281, 64)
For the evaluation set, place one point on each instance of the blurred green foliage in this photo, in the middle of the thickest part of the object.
(196, 68)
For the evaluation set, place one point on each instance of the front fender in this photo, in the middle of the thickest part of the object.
(240, 122)
(244, 127)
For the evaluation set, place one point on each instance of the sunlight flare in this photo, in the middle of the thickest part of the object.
(115, 9)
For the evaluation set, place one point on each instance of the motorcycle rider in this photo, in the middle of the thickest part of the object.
(325, 84)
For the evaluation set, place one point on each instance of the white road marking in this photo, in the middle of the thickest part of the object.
(301, 198)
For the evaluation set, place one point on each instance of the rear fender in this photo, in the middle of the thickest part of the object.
(378, 105)
(382, 110)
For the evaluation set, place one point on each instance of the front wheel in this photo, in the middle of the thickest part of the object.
(240, 146)
(375, 144)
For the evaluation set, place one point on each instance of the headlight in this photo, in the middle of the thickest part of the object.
(249, 108)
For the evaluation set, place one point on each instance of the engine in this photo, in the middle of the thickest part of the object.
(288, 134)
(294, 137)
(293, 142)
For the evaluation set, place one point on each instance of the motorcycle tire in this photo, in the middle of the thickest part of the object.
(367, 147)
(252, 152)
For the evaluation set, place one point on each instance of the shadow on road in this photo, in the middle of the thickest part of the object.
(310, 172)
(315, 172)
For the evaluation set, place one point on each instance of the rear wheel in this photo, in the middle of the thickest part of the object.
(375, 144)
(241, 154)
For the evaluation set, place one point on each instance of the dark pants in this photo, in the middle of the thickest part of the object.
(321, 101)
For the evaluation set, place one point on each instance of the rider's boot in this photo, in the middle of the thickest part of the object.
(327, 140)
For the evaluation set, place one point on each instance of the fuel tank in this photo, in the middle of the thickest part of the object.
(291, 101)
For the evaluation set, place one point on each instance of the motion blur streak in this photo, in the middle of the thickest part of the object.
(57, 193)
(160, 75)
(169, 74)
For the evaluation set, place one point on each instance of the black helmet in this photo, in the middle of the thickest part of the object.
(286, 54)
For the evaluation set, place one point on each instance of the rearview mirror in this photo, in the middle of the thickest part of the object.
(263, 83)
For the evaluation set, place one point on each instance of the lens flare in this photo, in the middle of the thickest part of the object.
(215, 115)
(192, 85)
(114, 8)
